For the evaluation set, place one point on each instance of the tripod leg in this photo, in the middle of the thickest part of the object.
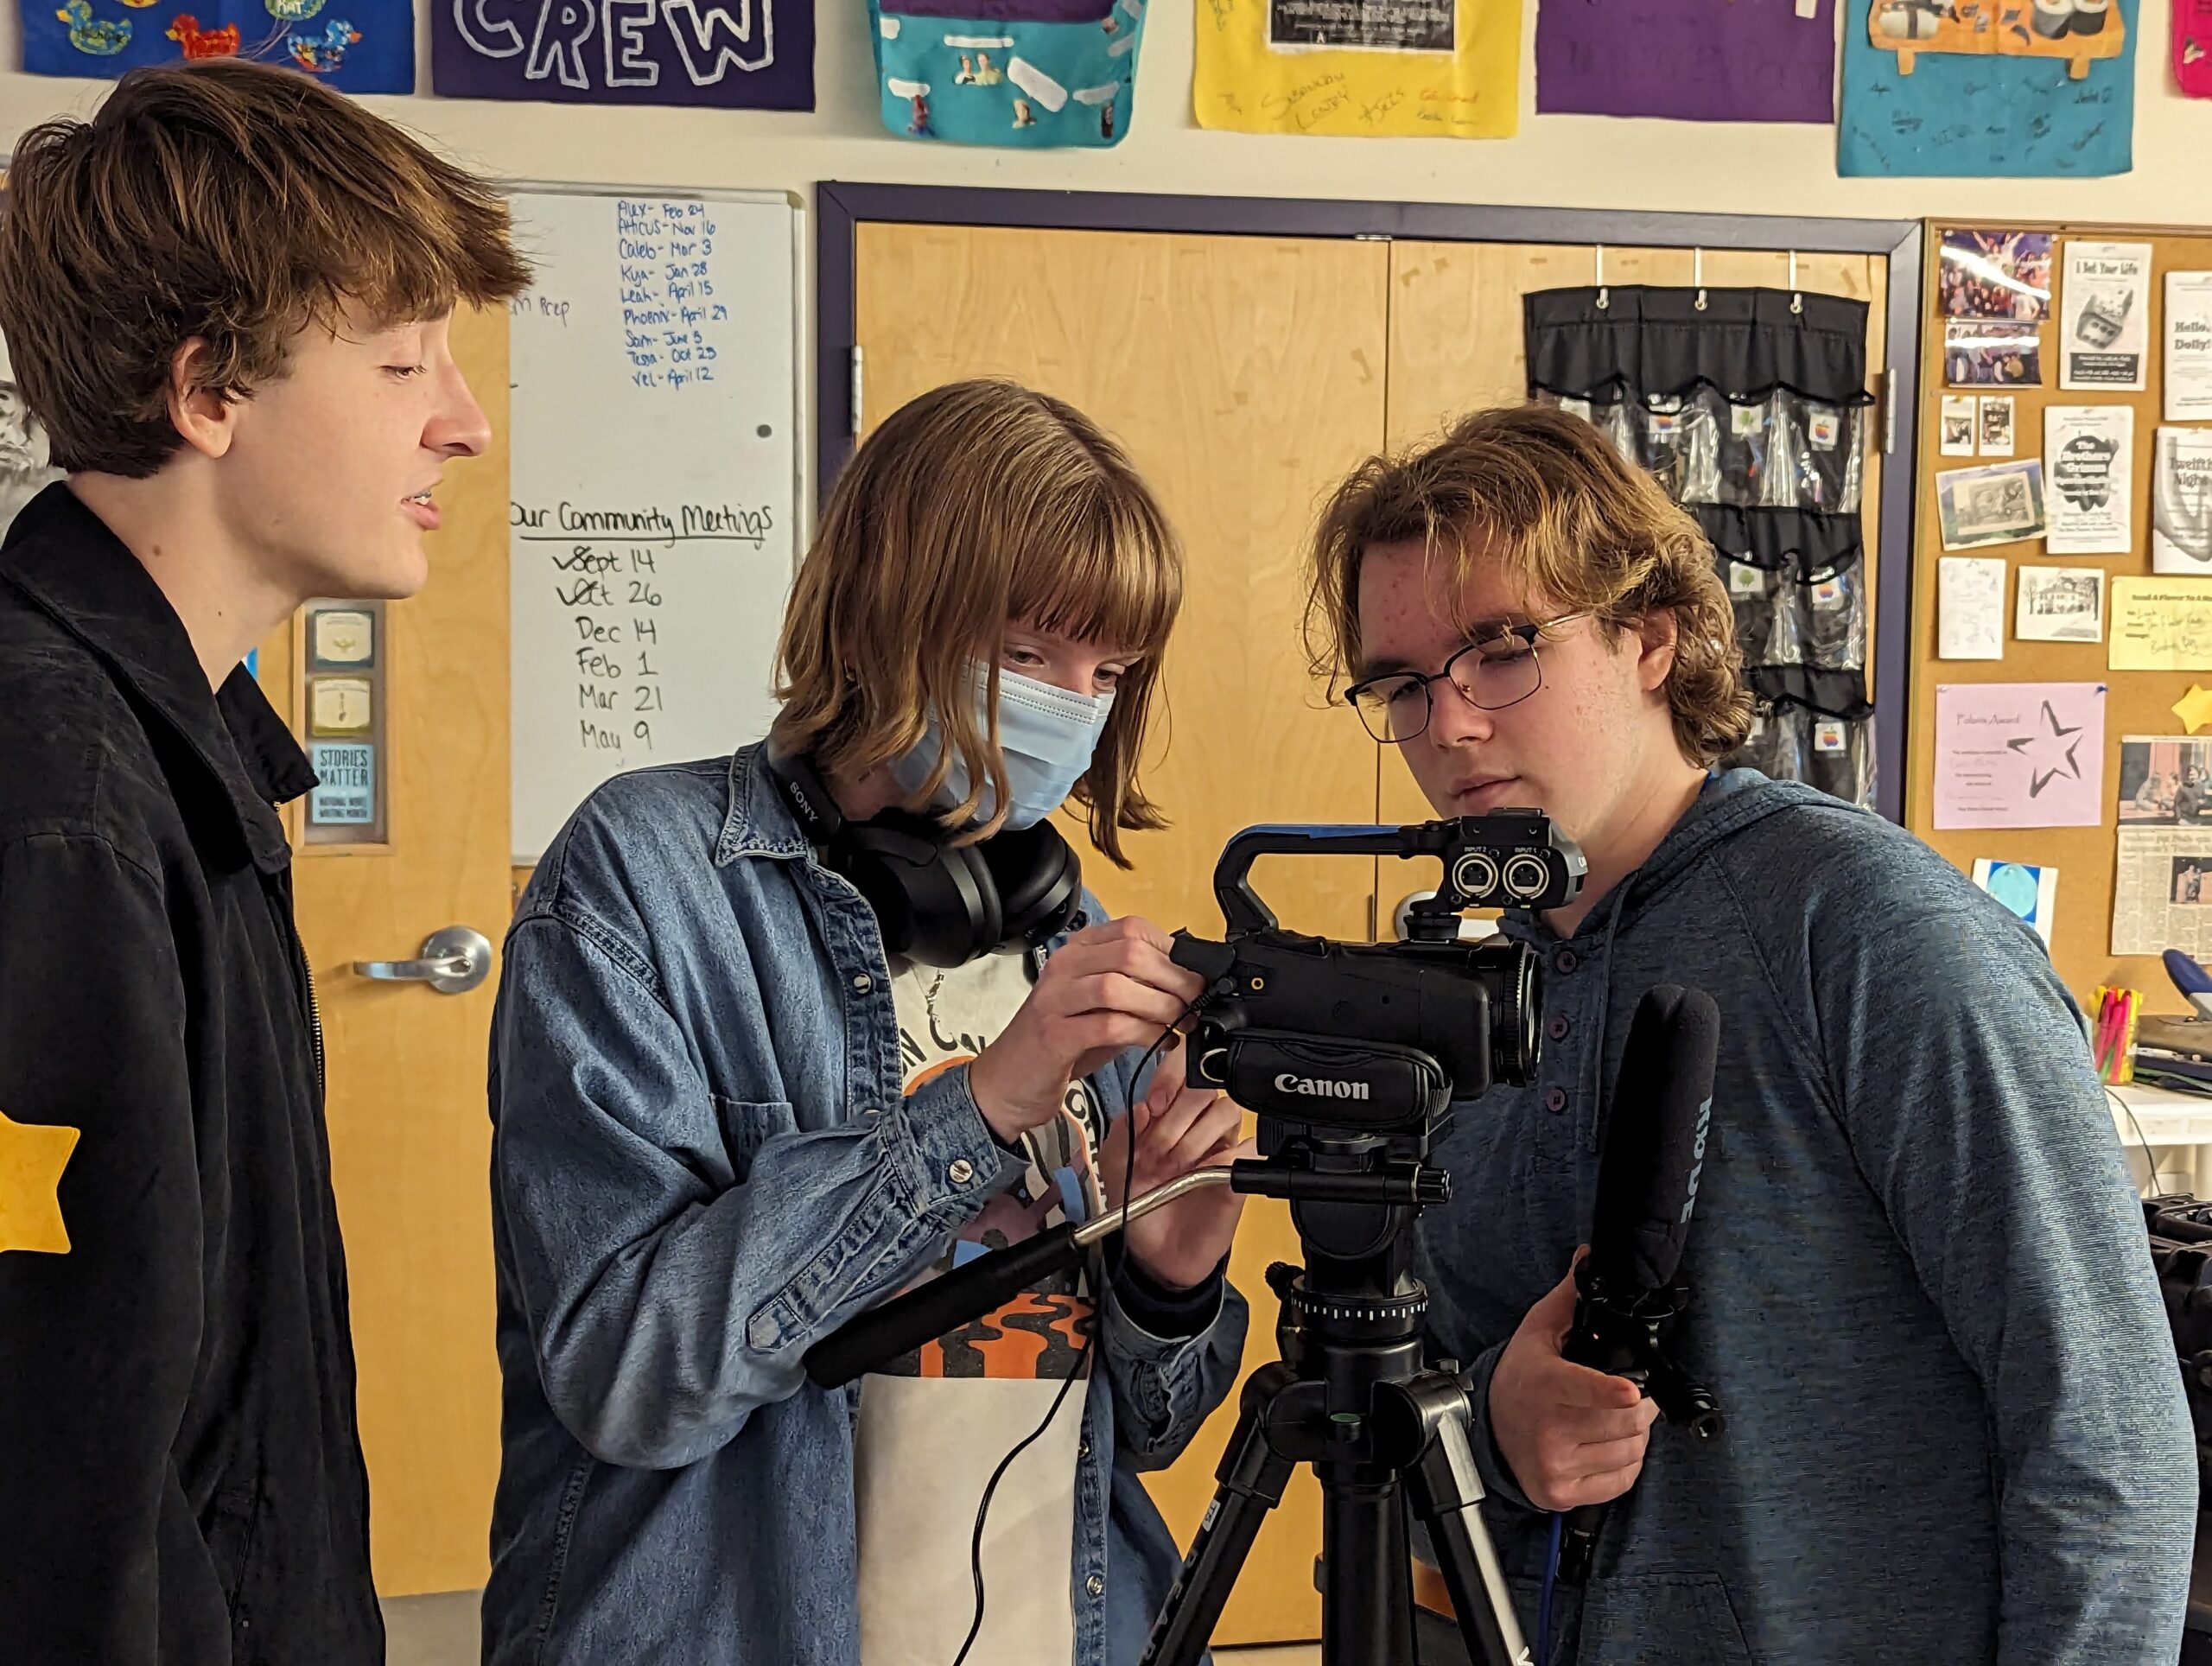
(1367, 1614)
(1446, 1491)
(1252, 1475)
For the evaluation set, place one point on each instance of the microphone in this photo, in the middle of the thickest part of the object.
(1655, 1142)
(1647, 1193)
(943, 1304)
(873, 1338)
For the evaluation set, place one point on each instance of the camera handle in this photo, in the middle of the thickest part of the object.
(1242, 909)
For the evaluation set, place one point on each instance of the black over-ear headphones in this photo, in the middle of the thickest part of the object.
(937, 902)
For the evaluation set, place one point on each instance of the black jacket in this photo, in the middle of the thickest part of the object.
(180, 1478)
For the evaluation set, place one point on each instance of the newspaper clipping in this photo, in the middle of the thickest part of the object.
(2162, 883)
(2105, 312)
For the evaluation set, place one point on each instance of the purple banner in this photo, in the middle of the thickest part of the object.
(749, 55)
(1751, 60)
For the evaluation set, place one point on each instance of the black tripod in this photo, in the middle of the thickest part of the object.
(1350, 1397)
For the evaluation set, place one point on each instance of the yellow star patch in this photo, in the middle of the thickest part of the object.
(32, 1157)
(2194, 708)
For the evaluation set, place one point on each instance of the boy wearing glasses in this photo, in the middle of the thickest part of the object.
(1921, 1291)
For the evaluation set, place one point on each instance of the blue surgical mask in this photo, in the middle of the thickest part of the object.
(1045, 733)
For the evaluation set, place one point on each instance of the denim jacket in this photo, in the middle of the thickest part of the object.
(702, 1164)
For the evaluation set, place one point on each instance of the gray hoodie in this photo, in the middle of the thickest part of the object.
(1922, 1291)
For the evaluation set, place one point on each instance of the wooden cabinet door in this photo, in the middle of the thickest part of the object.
(1244, 375)
(1456, 345)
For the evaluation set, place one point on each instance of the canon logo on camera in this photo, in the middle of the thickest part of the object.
(1318, 1087)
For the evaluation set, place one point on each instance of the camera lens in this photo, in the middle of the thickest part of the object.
(1475, 875)
(1526, 876)
(1507, 971)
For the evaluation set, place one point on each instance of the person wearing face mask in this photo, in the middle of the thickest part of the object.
(783, 1034)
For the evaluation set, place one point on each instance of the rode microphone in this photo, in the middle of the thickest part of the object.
(1648, 1176)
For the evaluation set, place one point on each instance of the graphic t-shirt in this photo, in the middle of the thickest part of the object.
(934, 1424)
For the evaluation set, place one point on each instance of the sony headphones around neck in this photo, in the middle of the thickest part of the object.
(937, 902)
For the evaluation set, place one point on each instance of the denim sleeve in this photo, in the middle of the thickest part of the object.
(1966, 1090)
(664, 1301)
(1163, 1387)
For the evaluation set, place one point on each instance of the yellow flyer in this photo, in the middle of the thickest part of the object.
(1395, 68)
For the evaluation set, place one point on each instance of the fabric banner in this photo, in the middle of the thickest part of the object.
(2193, 47)
(1358, 68)
(358, 46)
(1986, 89)
(1761, 60)
(747, 54)
(1024, 73)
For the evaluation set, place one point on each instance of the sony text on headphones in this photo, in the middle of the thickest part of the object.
(936, 902)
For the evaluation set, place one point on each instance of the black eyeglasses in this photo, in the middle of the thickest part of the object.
(1497, 672)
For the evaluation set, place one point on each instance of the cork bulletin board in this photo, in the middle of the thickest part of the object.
(2137, 703)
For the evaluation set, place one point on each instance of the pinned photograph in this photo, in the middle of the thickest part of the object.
(2163, 780)
(1996, 424)
(2105, 316)
(1956, 436)
(1983, 353)
(1999, 504)
(1996, 275)
(2189, 874)
(2061, 604)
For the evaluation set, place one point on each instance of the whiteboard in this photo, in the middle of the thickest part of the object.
(653, 484)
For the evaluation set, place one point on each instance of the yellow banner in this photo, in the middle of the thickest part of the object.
(1418, 69)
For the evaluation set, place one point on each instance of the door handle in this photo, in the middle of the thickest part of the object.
(454, 962)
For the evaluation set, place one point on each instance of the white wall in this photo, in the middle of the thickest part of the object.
(1584, 162)
(1556, 161)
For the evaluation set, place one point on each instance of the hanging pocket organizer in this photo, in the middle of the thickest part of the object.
(1749, 407)
(1028, 73)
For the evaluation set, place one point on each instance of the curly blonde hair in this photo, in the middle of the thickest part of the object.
(1571, 521)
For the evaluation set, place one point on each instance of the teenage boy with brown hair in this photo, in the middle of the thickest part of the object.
(227, 298)
(1922, 1293)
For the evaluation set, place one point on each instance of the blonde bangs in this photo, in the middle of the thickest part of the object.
(1109, 572)
(975, 505)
